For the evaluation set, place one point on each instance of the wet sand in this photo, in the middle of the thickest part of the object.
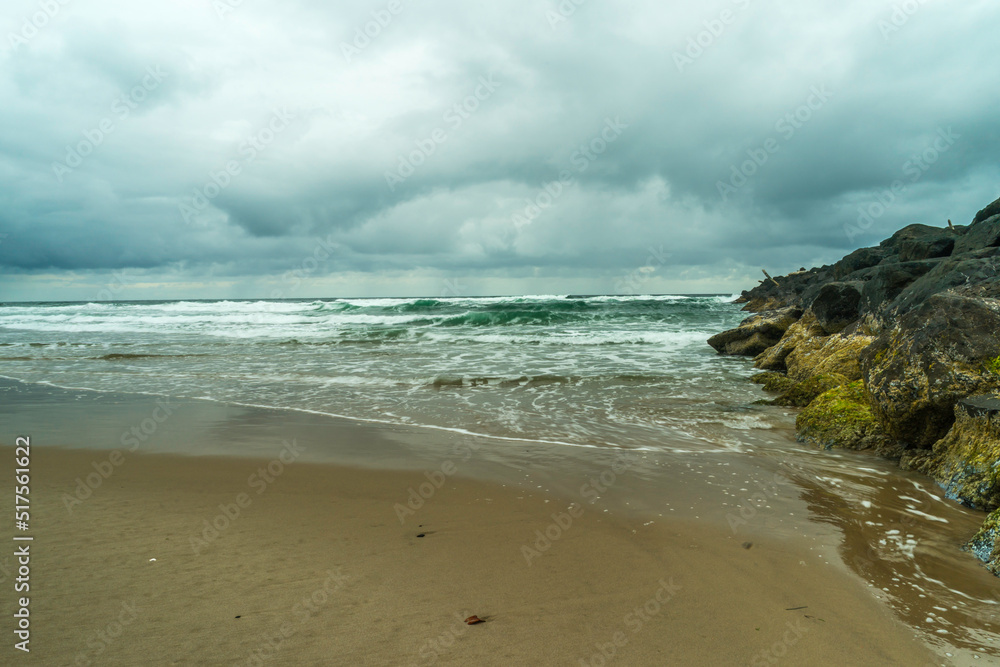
(313, 565)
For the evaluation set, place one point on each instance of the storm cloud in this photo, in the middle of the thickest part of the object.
(228, 148)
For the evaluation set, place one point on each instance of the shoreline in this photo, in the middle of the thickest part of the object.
(715, 601)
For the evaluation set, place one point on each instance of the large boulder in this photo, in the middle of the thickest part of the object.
(838, 353)
(891, 278)
(967, 461)
(837, 305)
(974, 268)
(774, 358)
(987, 213)
(756, 333)
(985, 234)
(859, 260)
(935, 355)
(801, 394)
(840, 418)
(985, 545)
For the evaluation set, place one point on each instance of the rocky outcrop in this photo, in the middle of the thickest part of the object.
(966, 462)
(755, 334)
(937, 354)
(985, 545)
(801, 394)
(840, 418)
(886, 349)
(837, 305)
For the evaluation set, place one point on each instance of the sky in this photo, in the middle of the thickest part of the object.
(304, 149)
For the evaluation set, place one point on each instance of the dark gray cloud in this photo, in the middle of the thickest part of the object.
(198, 151)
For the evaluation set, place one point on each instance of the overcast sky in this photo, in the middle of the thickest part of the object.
(228, 148)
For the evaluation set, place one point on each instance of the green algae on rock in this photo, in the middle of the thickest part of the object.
(840, 418)
(985, 545)
(801, 394)
(967, 461)
(776, 383)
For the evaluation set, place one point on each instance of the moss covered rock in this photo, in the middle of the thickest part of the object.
(986, 543)
(805, 329)
(967, 461)
(832, 354)
(840, 418)
(776, 383)
(802, 394)
(756, 333)
(933, 357)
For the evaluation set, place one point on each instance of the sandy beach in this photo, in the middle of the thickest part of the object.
(211, 560)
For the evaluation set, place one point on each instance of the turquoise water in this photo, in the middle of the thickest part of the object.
(632, 371)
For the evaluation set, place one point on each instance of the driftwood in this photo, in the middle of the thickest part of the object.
(770, 278)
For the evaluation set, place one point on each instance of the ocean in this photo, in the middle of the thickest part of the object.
(594, 371)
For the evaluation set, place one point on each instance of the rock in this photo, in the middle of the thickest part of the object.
(889, 279)
(774, 358)
(837, 305)
(939, 246)
(986, 213)
(831, 354)
(801, 394)
(912, 236)
(966, 460)
(776, 383)
(986, 544)
(986, 234)
(840, 418)
(937, 354)
(860, 259)
(788, 292)
(977, 268)
(755, 334)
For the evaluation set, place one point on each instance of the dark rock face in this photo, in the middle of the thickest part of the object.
(971, 268)
(860, 259)
(914, 249)
(984, 235)
(755, 334)
(837, 305)
(936, 355)
(988, 212)
(890, 279)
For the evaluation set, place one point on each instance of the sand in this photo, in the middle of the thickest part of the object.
(313, 566)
